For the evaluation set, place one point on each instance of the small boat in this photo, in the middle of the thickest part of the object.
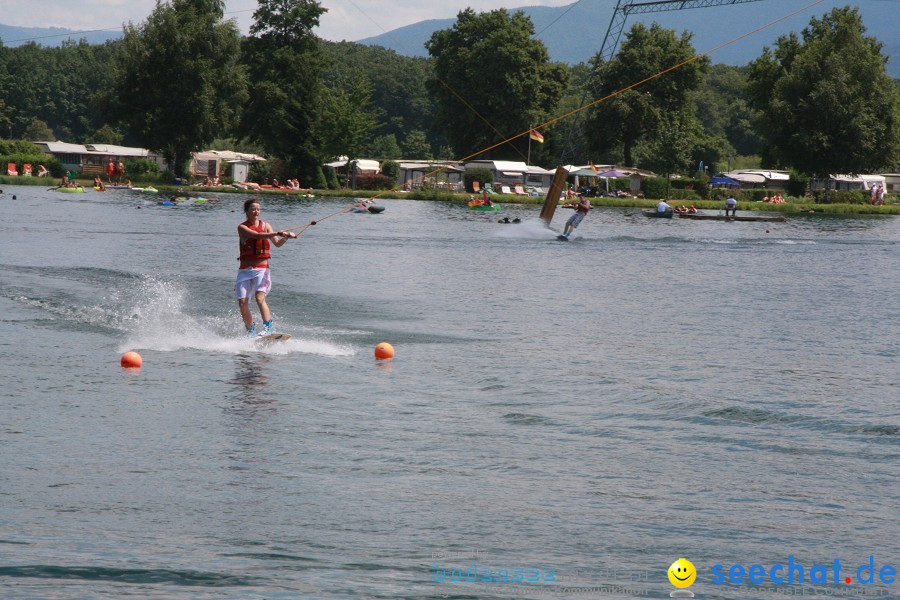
(485, 207)
(655, 214)
(70, 190)
(700, 217)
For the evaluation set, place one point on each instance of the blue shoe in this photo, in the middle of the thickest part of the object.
(252, 331)
(267, 329)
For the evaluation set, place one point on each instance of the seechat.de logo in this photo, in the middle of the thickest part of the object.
(794, 573)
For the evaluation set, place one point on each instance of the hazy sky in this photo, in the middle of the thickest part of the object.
(345, 19)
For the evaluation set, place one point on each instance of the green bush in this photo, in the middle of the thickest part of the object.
(797, 184)
(374, 181)
(654, 187)
(24, 147)
(841, 197)
(481, 175)
(318, 182)
(331, 178)
(143, 169)
(391, 168)
(259, 172)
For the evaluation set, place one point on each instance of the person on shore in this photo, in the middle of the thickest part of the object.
(120, 171)
(110, 170)
(663, 207)
(582, 208)
(731, 205)
(253, 275)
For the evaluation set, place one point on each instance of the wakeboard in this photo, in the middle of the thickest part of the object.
(274, 337)
(562, 238)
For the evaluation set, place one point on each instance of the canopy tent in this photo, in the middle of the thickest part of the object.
(586, 173)
(612, 173)
(722, 181)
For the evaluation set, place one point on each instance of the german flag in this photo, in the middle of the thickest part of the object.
(536, 136)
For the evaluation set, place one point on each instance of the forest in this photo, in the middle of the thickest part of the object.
(186, 80)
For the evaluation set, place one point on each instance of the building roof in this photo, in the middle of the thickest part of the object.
(94, 149)
(423, 166)
(769, 175)
(228, 155)
(502, 165)
(746, 177)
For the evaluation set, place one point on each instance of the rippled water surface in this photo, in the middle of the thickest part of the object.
(583, 412)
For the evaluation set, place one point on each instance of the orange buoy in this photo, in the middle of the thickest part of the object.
(384, 350)
(132, 360)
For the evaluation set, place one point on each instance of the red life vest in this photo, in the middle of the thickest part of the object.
(255, 249)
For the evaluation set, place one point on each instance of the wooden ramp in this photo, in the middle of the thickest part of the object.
(553, 194)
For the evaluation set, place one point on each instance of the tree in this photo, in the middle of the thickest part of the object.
(492, 79)
(38, 130)
(670, 149)
(724, 111)
(416, 145)
(398, 84)
(62, 87)
(285, 63)
(5, 117)
(827, 104)
(179, 81)
(385, 146)
(347, 118)
(641, 111)
(107, 135)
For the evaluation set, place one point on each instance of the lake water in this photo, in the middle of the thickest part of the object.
(582, 413)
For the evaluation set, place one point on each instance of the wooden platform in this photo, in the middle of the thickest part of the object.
(700, 217)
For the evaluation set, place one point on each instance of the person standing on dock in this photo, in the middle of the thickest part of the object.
(731, 205)
(253, 274)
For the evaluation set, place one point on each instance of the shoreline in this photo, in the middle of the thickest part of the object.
(452, 197)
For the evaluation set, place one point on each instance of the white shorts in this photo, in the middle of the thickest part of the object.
(248, 279)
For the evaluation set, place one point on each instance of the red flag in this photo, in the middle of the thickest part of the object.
(536, 136)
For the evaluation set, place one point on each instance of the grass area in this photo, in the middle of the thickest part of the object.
(442, 196)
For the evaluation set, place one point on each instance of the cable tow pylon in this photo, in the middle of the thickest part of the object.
(623, 9)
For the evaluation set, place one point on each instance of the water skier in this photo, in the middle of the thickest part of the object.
(253, 273)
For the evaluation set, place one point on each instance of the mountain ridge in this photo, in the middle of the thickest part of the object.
(574, 33)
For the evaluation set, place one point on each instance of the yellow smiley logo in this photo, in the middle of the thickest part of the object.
(682, 573)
